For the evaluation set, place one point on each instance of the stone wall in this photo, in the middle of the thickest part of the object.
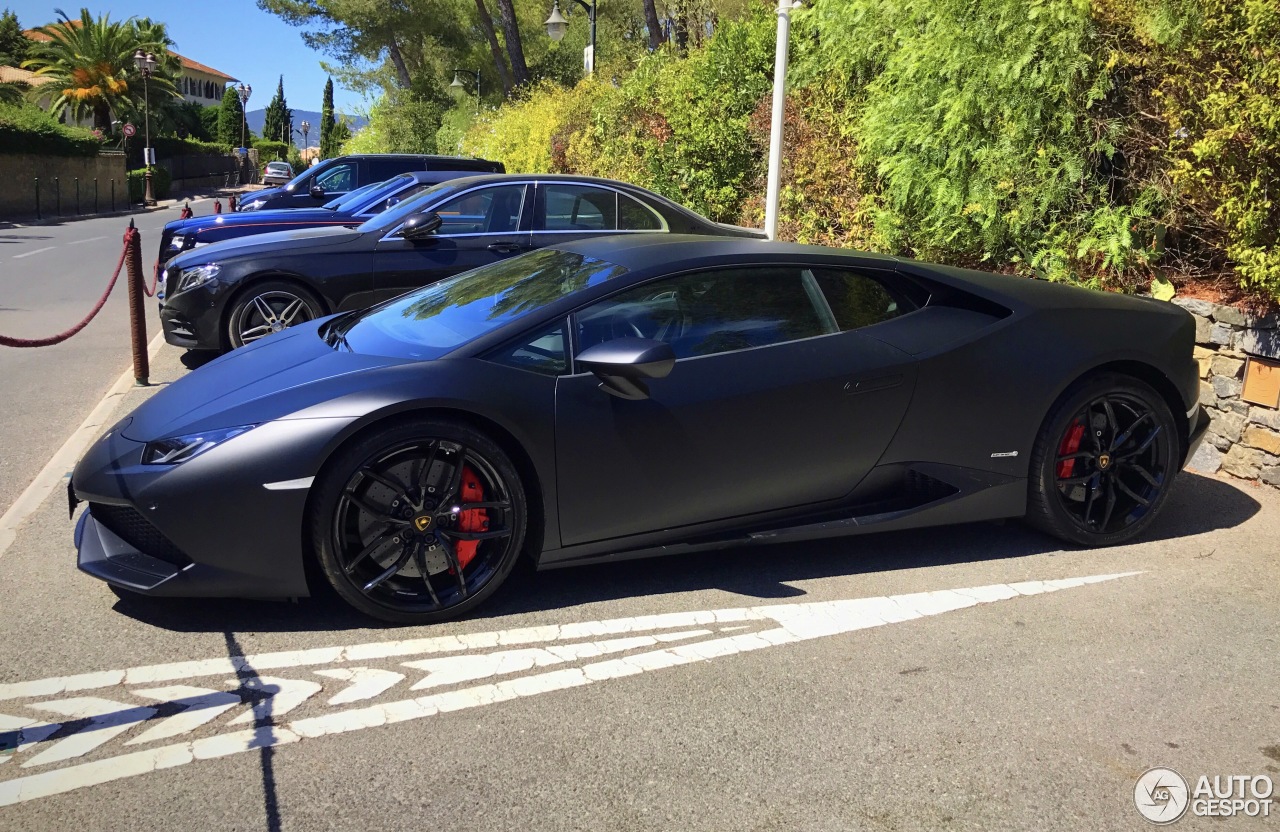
(1243, 438)
(46, 185)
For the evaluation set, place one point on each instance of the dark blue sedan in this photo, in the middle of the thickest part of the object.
(350, 209)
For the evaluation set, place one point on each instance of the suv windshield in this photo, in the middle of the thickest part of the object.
(363, 197)
(431, 321)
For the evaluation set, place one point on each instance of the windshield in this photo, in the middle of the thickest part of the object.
(431, 321)
(323, 166)
(362, 197)
(396, 215)
(278, 166)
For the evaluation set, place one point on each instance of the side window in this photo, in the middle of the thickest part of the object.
(338, 179)
(380, 169)
(577, 208)
(486, 211)
(543, 353)
(704, 313)
(632, 216)
(393, 201)
(858, 300)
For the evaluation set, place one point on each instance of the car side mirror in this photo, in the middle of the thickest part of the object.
(316, 191)
(421, 226)
(623, 364)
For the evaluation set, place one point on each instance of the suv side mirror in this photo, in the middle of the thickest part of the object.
(317, 192)
(421, 226)
(623, 364)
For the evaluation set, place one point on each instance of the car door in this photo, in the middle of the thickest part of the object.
(770, 405)
(335, 180)
(565, 211)
(478, 227)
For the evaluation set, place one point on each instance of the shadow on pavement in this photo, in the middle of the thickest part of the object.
(1196, 505)
(194, 359)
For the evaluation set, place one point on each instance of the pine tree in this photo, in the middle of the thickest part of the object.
(229, 118)
(277, 125)
(327, 122)
(13, 43)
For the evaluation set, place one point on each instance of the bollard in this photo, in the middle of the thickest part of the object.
(217, 206)
(137, 316)
(231, 203)
(113, 194)
(38, 198)
(57, 195)
(77, 196)
(186, 212)
(95, 194)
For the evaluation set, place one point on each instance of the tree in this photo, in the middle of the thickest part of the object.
(277, 124)
(515, 48)
(229, 118)
(209, 117)
(90, 66)
(13, 43)
(339, 136)
(327, 147)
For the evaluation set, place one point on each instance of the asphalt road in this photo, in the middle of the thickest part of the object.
(970, 678)
(50, 277)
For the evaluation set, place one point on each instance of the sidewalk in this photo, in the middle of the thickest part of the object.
(192, 197)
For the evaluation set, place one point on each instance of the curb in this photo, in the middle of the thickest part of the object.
(133, 210)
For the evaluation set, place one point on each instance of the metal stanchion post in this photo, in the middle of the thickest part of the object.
(137, 315)
(57, 195)
(77, 196)
(38, 198)
(95, 194)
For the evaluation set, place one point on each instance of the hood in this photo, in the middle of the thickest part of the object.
(264, 217)
(295, 241)
(268, 380)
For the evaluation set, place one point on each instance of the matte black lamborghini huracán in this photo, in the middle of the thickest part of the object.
(632, 395)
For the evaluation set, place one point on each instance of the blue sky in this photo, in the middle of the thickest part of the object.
(233, 36)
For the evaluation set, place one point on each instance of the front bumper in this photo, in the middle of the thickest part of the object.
(207, 527)
(193, 319)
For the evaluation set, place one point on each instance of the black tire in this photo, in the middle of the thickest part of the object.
(1103, 462)
(385, 513)
(268, 307)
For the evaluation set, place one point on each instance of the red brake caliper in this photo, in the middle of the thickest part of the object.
(470, 520)
(1070, 444)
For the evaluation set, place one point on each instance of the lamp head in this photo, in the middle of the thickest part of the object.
(557, 25)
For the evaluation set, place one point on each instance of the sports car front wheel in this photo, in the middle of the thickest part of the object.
(1103, 462)
(419, 522)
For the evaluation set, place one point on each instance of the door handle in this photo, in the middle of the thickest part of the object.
(505, 248)
(867, 385)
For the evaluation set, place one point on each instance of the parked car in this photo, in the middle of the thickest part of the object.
(334, 177)
(639, 395)
(277, 173)
(234, 292)
(350, 210)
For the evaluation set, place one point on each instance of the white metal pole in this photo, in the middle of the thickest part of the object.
(775, 130)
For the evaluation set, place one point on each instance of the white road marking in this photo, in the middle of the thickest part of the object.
(791, 623)
(366, 683)
(202, 705)
(37, 251)
(87, 240)
(107, 720)
(285, 695)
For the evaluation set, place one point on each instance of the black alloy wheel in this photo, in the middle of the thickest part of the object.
(420, 522)
(1103, 462)
(270, 307)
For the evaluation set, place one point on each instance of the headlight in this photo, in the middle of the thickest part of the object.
(177, 449)
(193, 276)
(251, 206)
(177, 243)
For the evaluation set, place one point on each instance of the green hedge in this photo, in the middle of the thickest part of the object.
(269, 151)
(167, 147)
(159, 184)
(25, 128)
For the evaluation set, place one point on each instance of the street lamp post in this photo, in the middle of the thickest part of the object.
(306, 128)
(244, 91)
(557, 25)
(458, 85)
(774, 181)
(146, 64)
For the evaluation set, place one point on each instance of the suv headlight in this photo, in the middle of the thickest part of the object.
(177, 449)
(193, 276)
(178, 243)
(251, 206)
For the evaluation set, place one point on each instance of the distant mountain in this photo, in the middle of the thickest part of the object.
(257, 117)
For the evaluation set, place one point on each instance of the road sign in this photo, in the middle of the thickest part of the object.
(128, 130)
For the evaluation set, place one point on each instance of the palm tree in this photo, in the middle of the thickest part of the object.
(90, 65)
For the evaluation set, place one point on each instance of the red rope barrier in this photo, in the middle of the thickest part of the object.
(5, 341)
(155, 281)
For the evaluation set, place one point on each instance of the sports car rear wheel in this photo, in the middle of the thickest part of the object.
(420, 522)
(1103, 462)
